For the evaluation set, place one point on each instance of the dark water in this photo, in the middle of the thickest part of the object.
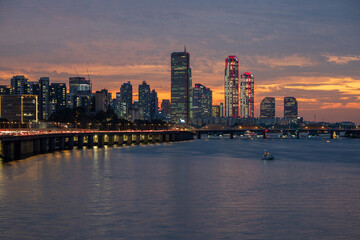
(203, 189)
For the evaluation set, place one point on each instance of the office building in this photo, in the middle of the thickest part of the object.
(247, 95)
(126, 95)
(180, 108)
(290, 108)
(221, 106)
(267, 108)
(102, 100)
(154, 105)
(33, 88)
(231, 87)
(19, 108)
(202, 102)
(80, 92)
(144, 99)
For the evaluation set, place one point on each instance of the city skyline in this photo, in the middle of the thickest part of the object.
(303, 49)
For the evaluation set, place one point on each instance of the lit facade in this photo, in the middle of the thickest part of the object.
(19, 85)
(247, 95)
(290, 108)
(215, 111)
(231, 87)
(58, 96)
(154, 105)
(180, 87)
(267, 108)
(144, 99)
(44, 98)
(19, 108)
(202, 102)
(126, 93)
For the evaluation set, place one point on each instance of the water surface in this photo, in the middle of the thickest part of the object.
(201, 189)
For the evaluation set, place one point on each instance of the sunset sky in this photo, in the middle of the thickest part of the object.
(306, 49)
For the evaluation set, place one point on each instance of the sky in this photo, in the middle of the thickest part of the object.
(306, 49)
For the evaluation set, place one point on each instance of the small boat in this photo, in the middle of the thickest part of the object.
(267, 156)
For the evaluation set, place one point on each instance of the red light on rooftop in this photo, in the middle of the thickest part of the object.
(247, 73)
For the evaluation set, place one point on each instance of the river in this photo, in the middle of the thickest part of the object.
(201, 189)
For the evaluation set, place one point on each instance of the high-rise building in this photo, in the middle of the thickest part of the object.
(180, 109)
(126, 95)
(231, 87)
(20, 108)
(80, 92)
(58, 96)
(165, 106)
(202, 102)
(102, 100)
(154, 105)
(247, 95)
(44, 98)
(267, 108)
(290, 108)
(144, 99)
(215, 112)
(19, 85)
(33, 88)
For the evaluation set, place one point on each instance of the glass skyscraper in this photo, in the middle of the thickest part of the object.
(267, 108)
(202, 102)
(231, 87)
(180, 87)
(290, 108)
(144, 99)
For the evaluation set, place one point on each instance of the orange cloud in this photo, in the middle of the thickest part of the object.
(341, 59)
(293, 60)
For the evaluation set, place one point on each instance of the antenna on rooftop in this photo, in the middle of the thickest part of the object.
(88, 73)
(184, 48)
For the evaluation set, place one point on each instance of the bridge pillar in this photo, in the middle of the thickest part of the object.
(44, 143)
(120, 139)
(90, 142)
(153, 138)
(36, 146)
(198, 135)
(111, 140)
(129, 139)
(61, 143)
(8, 151)
(167, 137)
(71, 142)
(100, 140)
(146, 138)
(297, 134)
(137, 138)
(52, 144)
(160, 137)
(332, 134)
(80, 141)
(27, 148)
(173, 137)
(231, 135)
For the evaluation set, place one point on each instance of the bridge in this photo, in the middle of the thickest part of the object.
(264, 133)
(26, 144)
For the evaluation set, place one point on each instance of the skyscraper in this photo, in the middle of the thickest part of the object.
(247, 95)
(180, 87)
(144, 99)
(267, 108)
(126, 96)
(80, 91)
(231, 87)
(102, 100)
(290, 108)
(57, 96)
(44, 98)
(19, 85)
(154, 105)
(202, 102)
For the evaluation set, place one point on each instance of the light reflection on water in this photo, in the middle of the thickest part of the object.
(204, 189)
